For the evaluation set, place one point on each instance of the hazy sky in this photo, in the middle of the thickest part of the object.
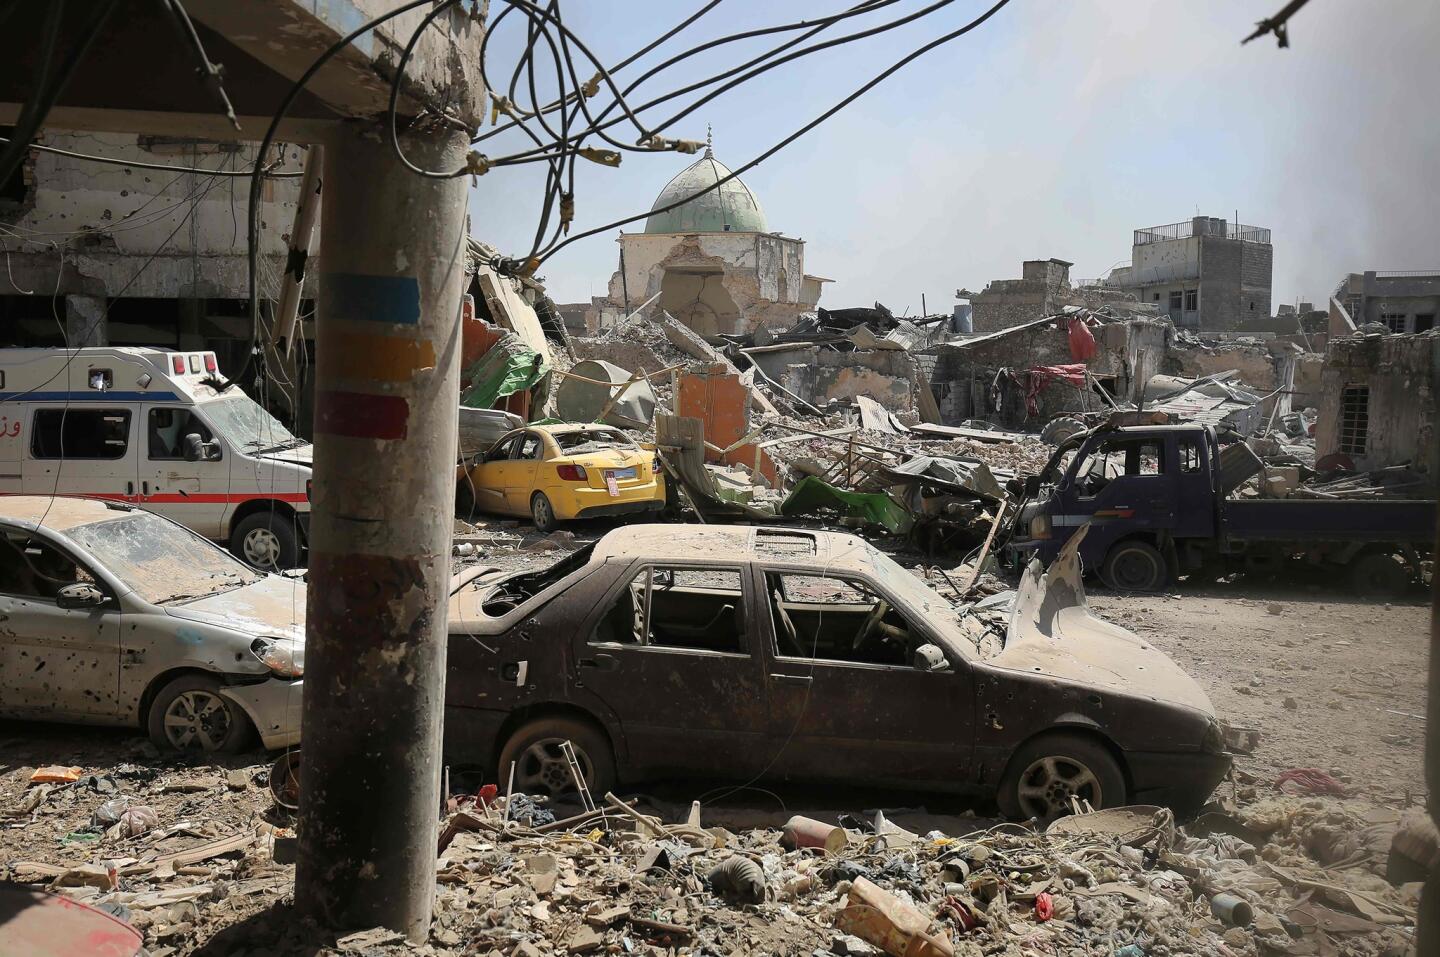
(1054, 130)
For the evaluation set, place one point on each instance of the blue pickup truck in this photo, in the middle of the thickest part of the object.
(1156, 500)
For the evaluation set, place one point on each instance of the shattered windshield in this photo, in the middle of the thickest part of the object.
(161, 561)
(592, 440)
(918, 596)
(247, 426)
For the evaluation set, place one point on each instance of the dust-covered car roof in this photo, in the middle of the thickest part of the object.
(58, 513)
(800, 547)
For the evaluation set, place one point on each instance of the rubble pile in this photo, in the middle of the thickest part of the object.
(1277, 873)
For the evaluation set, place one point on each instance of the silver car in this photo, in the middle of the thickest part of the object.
(113, 615)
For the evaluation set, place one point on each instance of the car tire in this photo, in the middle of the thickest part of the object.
(542, 513)
(1043, 773)
(1056, 431)
(540, 767)
(1379, 575)
(190, 714)
(1135, 565)
(465, 499)
(267, 540)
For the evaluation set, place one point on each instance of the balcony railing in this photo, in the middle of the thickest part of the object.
(1160, 234)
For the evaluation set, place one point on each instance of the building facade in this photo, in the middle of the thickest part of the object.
(106, 254)
(1377, 402)
(1207, 274)
(1399, 301)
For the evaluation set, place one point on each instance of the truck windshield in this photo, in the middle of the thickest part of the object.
(160, 560)
(247, 426)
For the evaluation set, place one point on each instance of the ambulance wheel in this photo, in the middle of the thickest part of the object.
(542, 513)
(266, 540)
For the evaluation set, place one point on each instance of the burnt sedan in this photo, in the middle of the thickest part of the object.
(753, 653)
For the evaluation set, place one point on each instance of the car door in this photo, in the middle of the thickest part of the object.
(490, 475)
(523, 470)
(82, 449)
(864, 714)
(1125, 483)
(673, 654)
(191, 493)
(60, 662)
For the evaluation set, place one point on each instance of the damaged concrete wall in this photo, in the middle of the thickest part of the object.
(1400, 374)
(1269, 368)
(110, 218)
(820, 375)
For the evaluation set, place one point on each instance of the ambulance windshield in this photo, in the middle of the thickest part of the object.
(248, 427)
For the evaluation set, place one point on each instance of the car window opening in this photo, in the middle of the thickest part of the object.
(835, 619)
(514, 591)
(698, 609)
(31, 568)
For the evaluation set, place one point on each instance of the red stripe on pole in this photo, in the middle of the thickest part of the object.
(358, 415)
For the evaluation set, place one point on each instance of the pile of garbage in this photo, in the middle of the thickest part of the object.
(1287, 867)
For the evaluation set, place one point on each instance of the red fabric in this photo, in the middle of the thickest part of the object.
(1082, 340)
(1033, 380)
(1313, 780)
(1044, 906)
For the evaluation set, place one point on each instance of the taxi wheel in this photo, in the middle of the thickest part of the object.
(266, 540)
(542, 513)
(189, 714)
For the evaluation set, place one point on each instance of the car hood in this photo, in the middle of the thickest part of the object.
(273, 607)
(1053, 633)
(300, 455)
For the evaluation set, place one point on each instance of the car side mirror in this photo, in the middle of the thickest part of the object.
(1032, 486)
(194, 447)
(79, 595)
(930, 658)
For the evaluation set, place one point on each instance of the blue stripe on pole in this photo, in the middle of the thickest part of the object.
(393, 299)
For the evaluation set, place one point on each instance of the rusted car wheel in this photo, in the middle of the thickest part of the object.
(540, 766)
(542, 513)
(189, 714)
(1046, 773)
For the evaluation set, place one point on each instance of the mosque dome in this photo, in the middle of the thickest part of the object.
(731, 208)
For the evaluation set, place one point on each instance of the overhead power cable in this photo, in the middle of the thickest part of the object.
(267, 172)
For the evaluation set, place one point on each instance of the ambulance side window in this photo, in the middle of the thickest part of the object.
(80, 434)
(167, 431)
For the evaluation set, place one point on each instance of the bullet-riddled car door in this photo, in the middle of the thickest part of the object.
(674, 655)
(846, 698)
(53, 660)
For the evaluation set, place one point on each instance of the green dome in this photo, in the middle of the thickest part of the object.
(731, 208)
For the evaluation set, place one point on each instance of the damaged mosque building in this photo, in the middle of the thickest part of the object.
(712, 263)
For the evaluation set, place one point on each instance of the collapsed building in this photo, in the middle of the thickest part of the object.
(1377, 402)
(711, 262)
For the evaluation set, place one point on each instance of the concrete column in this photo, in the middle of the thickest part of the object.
(386, 387)
(85, 322)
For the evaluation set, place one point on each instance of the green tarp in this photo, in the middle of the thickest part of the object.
(810, 496)
(509, 367)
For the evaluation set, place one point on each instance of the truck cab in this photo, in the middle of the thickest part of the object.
(1139, 489)
(157, 429)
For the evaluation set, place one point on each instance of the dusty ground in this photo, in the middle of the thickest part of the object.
(1321, 676)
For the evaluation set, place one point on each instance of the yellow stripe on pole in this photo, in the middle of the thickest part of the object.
(383, 358)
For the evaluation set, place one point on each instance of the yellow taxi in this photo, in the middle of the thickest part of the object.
(554, 473)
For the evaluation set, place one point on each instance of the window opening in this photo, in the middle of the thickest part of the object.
(1354, 419)
(696, 609)
(81, 434)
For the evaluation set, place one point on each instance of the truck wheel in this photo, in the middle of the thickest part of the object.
(189, 714)
(267, 540)
(1135, 566)
(540, 765)
(1058, 430)
(1380, 575)
(1044, 774)
(542, 513)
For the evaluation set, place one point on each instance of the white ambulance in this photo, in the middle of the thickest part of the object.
(150, 427)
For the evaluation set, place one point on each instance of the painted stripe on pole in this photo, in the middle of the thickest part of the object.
(359, 415)
(349, 295)
(386, 358)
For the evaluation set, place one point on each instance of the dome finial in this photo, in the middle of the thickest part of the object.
(709, 142)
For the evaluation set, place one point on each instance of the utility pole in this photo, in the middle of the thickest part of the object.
(388, 346)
